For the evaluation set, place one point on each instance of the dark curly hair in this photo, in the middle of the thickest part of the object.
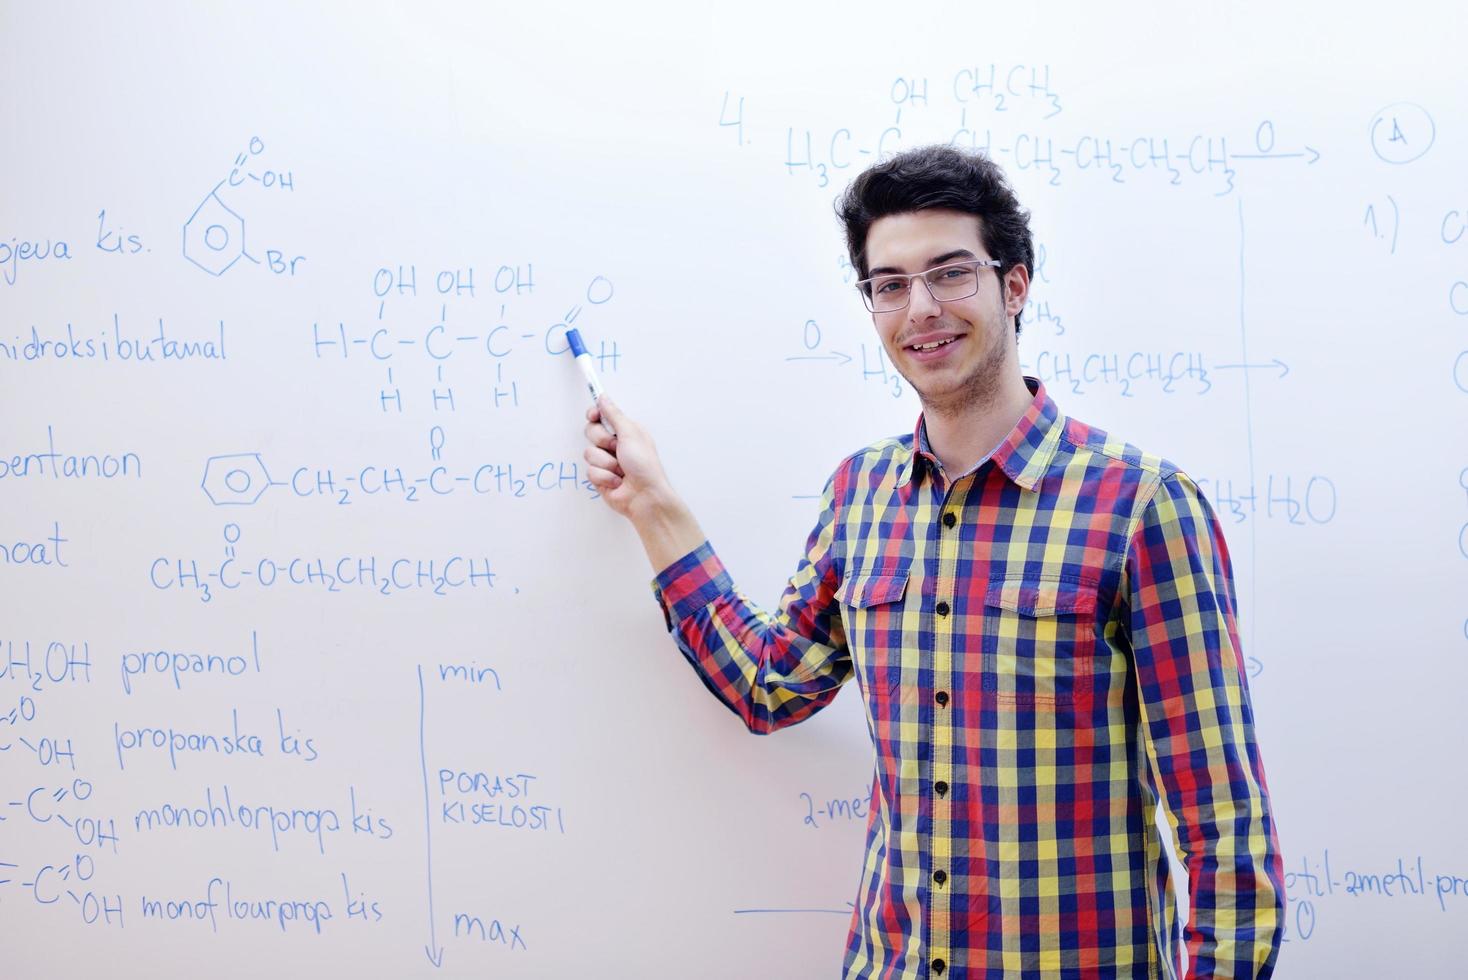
(939, 177)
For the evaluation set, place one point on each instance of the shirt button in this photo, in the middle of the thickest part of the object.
(942, 698)
(941, 787)
(949, 520)
(940, 876)
(939, 965)
(942, 608)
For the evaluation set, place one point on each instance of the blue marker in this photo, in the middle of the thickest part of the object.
(588, 370)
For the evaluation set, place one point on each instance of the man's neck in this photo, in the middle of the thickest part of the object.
(961, 438)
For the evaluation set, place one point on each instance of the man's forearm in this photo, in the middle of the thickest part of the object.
(666, 527)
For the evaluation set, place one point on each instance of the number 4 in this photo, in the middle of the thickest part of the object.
(737, 122)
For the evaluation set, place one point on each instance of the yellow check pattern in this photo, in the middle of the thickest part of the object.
(1046, 646)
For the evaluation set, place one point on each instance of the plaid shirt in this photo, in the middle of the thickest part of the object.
(1045, 645)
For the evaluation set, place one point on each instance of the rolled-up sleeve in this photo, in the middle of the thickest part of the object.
(772, 670)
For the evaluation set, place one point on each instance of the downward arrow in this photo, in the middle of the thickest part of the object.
(433, 950)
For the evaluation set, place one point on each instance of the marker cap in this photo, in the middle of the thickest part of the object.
(573, 337)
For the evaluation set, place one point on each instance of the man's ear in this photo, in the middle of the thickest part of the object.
(1016, 290)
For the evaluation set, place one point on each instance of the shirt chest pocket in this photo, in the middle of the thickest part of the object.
(872, 602)
(872, 610)
(1039, 640)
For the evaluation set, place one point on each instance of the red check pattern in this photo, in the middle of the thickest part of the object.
(1046, 646)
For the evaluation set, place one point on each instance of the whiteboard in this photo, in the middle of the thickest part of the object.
(319, 656)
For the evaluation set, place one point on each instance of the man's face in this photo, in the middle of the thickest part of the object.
(973, 336)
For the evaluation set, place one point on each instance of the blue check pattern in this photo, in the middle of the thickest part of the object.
(1046, 647)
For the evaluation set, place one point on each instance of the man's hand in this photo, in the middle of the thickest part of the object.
(625, 468)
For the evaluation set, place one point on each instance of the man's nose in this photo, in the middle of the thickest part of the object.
(920, 302)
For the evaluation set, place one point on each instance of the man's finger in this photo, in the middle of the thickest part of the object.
(603, 460)
(603, 479)
(611, 412)
(598, 436)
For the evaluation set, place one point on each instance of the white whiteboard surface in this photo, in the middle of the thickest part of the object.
(238, 244)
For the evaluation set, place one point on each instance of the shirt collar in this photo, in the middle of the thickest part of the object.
(1023, 456)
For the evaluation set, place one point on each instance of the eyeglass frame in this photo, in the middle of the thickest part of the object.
(863, 286)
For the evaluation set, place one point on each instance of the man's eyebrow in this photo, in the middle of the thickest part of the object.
(957, 253)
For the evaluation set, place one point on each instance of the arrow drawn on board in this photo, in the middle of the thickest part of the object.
(433, 950)
(837, 356)
(845, 911)
(1310, 151)
(1275, 365)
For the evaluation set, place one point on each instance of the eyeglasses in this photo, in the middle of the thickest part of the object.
(956, 280)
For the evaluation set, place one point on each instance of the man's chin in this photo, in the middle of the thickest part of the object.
(953, 398)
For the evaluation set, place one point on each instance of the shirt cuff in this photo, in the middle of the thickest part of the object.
(691, 583)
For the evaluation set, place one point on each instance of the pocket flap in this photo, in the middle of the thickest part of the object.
(1041, 597)
(863, 591)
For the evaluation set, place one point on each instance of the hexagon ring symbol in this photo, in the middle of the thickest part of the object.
(214, 236)
(239, 479)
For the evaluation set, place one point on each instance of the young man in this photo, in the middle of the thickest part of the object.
(1040, 618)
